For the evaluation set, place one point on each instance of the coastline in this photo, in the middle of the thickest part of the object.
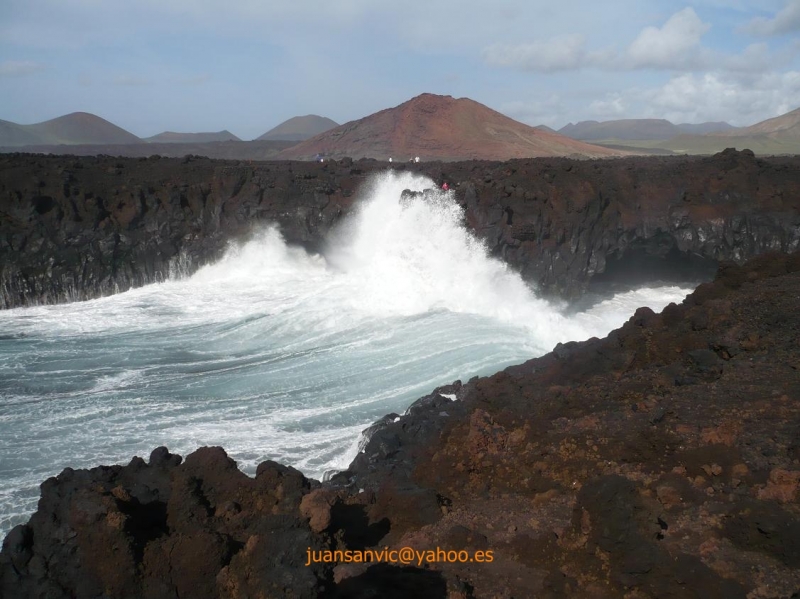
(648, 460)
(84, 227)
(660, 460)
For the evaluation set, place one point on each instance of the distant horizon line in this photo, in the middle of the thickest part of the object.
(227, 130)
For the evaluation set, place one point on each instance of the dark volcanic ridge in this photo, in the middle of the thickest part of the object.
(77, 228)
(661, 461)
(221, 150)
(440, 128)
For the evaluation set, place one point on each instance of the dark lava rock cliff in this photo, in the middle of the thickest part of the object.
(77, 228)
(660, 462)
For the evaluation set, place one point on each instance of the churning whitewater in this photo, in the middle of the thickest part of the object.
(273, 353)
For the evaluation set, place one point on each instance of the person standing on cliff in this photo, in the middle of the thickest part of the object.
(445, 186)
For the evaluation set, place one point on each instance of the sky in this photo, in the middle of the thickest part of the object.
(248, 65)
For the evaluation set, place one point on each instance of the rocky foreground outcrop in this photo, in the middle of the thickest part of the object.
(662, 461)
(77, 228)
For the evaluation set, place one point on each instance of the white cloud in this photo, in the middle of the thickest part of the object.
(755, 57)
(19, 68)
(613, 106)
(369, 55)
(546, 111)
(556, 54)
(712, 97)
(786, 20)
(741, 99)
(674, 45)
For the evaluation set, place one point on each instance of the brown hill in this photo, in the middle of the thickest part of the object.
(778, 135)
(13, 135)
(780, 127)
(82, 128)
(171, 137)
(440, 128)
(299, 128)
(70, 129)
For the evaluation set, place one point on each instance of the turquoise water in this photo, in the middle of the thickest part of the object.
(273, 353)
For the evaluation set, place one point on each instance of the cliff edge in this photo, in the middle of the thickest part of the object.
(661, 461)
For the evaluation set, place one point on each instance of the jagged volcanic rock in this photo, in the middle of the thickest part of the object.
(222, 150)
(77, 228)
(661, 461)
(100, 225)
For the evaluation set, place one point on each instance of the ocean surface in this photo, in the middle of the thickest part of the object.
(273, 353)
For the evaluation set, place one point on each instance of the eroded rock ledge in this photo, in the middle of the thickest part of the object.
(661, 461)
(81, 227)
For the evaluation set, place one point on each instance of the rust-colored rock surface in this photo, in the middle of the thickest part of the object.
(441, 128)
(662, 461)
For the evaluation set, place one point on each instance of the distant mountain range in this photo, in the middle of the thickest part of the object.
(299, 128)
(74, 128)
(779, 135)
(637, 129)
(82, 128)
(429, 126)
(170, 137)
(440, 128)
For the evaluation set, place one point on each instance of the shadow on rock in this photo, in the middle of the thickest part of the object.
(357, 532)
(384, 581)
